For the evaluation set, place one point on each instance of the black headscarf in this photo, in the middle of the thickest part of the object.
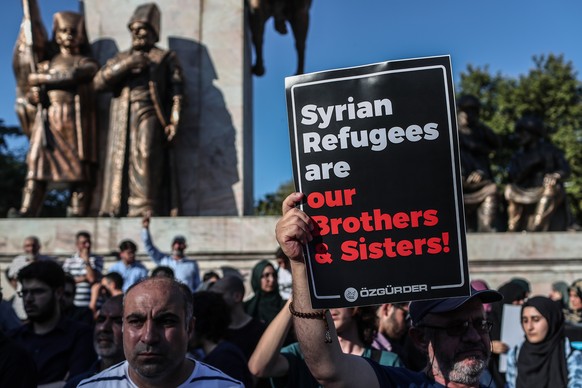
(263, 305)
(511, 292)
(543, 364)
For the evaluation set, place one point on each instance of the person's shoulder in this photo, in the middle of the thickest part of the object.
(140, 265)
(114, 376)
(19, 259)
(19, 331)
(386, 358)
(115, 267)
(207, 376)
(391, 376)
(256, 324)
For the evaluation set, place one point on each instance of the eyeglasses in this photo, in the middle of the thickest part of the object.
(481, 326)
(32, 291)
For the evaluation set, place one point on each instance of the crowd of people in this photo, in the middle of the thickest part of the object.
(76, 323)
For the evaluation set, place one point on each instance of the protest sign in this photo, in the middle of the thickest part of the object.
(375, 150)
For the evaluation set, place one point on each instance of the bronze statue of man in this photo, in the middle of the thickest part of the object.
(535, 195)
(147, 84)
(63, 144)
(477, 141)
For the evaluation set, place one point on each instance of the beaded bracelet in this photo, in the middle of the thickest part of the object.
(317, 315)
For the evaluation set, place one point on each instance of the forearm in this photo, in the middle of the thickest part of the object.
(266, 361)
(322, 358)
(149, 246)
(327, 363)
(92, 274)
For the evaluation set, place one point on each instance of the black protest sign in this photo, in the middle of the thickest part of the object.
(375, 150)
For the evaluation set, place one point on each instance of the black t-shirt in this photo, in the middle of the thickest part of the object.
(17, 368)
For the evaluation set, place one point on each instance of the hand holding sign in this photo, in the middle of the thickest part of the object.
(294, 229)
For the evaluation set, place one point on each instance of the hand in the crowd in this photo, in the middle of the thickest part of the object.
(294, 229)
(499, 347)
(145, 221)
(85, 251)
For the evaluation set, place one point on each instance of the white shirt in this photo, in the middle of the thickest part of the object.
(203, 376)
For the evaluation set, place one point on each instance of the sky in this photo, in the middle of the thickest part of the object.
(502, 35)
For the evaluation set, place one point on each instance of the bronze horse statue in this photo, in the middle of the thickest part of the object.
(296, 12)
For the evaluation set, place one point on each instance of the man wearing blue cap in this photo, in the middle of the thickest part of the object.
(452, 332)
(185, 270)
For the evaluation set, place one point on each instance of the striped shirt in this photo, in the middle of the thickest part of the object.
(75, 266)
(203, 375)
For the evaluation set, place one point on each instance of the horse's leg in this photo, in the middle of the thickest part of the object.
(299, 25)
(257, 21)
(279, 16)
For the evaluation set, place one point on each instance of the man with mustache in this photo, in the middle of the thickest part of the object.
(107, 339)
(157, 323)
(452, 332)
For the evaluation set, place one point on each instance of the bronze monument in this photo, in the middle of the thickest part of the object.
(295, 12)
(477, 141)
(56, 107)
(536, 196)
(146, 83)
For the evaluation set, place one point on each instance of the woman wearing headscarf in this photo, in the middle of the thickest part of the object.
(574, 312)
(560, 294)
(267, 302)
(545, 358)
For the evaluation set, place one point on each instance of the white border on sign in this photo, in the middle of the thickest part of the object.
(451, 144)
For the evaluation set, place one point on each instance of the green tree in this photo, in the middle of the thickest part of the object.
(12, 170)
(551, 91)
(270, 204)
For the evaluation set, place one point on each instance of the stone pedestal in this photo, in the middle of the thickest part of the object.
(214, 142)
(240, 242)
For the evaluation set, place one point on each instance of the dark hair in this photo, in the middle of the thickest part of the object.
(233, 284)
(116, 278)
(47, 271)
(127, 244)
(83, 233)
(212, 315)
(366, 322)
(163, 270)
(209, 275)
